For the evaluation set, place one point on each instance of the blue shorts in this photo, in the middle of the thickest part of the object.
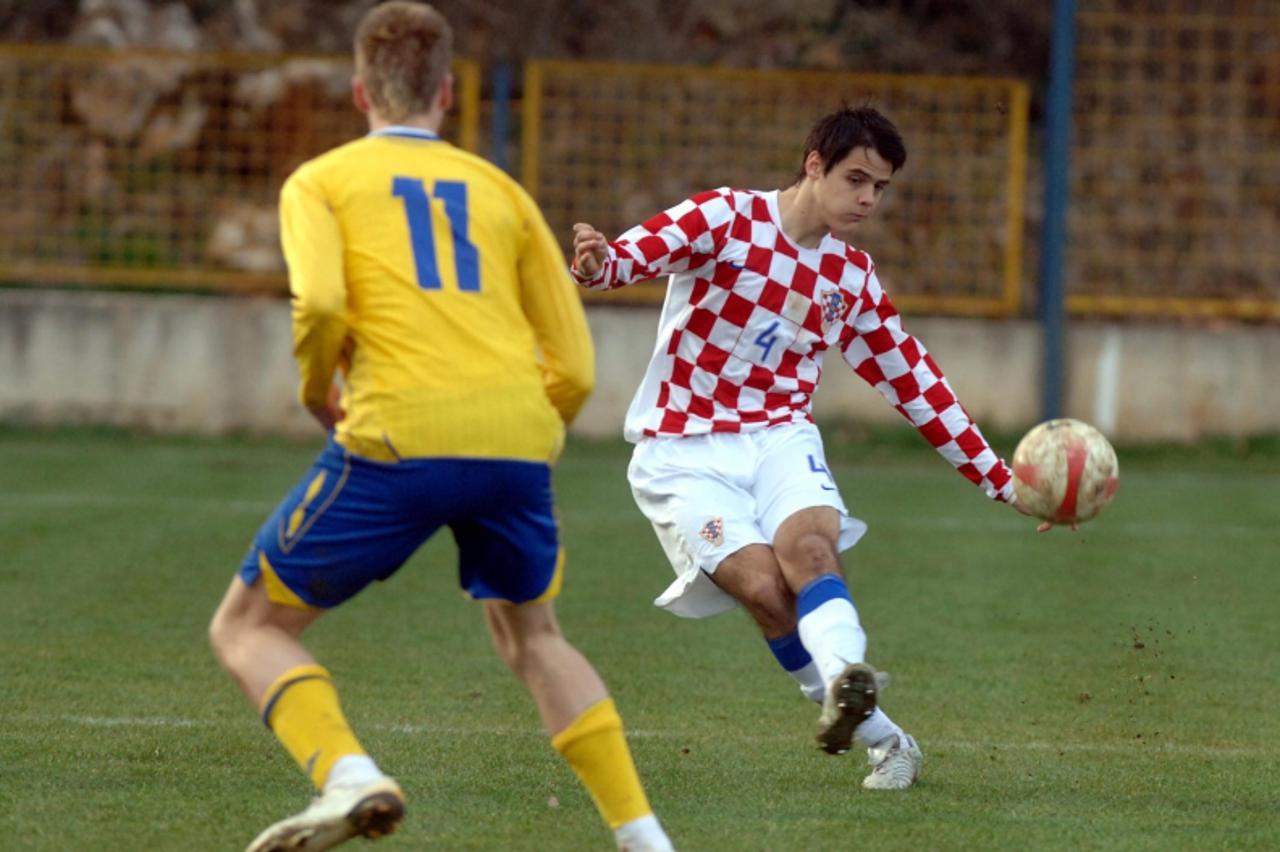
(351, 521)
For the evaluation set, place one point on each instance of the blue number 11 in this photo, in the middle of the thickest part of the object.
(417, 209)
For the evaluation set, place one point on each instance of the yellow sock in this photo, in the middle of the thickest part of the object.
(301, 707)
(594, 746)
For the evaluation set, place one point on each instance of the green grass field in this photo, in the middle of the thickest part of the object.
(1112, 689)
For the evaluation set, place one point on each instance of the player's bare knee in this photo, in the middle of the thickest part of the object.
(222, 631)
(226, 640)
(808, 556)
(242, 609)
(217, 636)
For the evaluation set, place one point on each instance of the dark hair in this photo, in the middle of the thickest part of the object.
(835, 135)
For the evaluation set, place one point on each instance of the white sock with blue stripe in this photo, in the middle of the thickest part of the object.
(829, 626)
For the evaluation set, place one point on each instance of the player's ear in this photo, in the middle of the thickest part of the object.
(446, 92)
(813, 165)
(359, 96)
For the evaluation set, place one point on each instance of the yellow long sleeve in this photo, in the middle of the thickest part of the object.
(313, 247)
(554, 308)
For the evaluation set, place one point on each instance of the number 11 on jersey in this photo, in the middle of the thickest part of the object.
(417, 209)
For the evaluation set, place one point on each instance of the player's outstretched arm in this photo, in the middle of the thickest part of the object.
(680, 238)
(899, 367)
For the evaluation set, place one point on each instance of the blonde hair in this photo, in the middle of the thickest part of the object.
(403, 52)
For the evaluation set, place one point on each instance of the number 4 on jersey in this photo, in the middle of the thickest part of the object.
(417, 209)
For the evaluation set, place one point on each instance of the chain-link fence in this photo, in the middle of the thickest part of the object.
(145, 168)
(614, 144)
(1175, 199)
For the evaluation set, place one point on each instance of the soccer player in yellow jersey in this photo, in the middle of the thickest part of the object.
(430, 281)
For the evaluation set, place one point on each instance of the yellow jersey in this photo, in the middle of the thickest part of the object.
(431, 280)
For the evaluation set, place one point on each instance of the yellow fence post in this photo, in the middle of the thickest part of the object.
(1015, 221)
(531, 127)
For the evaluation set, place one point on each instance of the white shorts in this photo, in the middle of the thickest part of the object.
(709, 496)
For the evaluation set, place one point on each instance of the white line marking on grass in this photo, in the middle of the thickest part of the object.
(1149, 744)
(1144, 744)
(132, 722)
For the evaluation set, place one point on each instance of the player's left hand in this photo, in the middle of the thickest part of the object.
(331, 412)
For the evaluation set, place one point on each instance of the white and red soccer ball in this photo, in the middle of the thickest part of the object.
(1065, 471)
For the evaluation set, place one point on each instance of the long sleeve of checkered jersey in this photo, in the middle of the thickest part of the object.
(897, 365)
(677, 240)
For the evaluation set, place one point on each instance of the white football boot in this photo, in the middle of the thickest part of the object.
(341, 813)
(850, 701)
(896, 762)
(644, 834)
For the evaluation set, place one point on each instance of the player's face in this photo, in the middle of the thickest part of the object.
(848, 193)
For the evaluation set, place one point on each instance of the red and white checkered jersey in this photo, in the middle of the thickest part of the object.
(746, 321)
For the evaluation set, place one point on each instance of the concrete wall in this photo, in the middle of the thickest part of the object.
(210, 365)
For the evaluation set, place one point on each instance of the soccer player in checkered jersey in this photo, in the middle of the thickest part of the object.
(431, 282)
(728, 465)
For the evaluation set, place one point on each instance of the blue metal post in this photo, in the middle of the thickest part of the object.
(501, 114)
(1056, 198)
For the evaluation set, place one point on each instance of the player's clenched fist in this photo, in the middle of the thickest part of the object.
(589, 249)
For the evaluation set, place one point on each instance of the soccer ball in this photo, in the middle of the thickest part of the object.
(1065, 471)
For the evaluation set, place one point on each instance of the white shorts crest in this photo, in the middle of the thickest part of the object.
(713, 531)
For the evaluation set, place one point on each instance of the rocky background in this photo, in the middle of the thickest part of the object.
(1004, 37)
(172, 161)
